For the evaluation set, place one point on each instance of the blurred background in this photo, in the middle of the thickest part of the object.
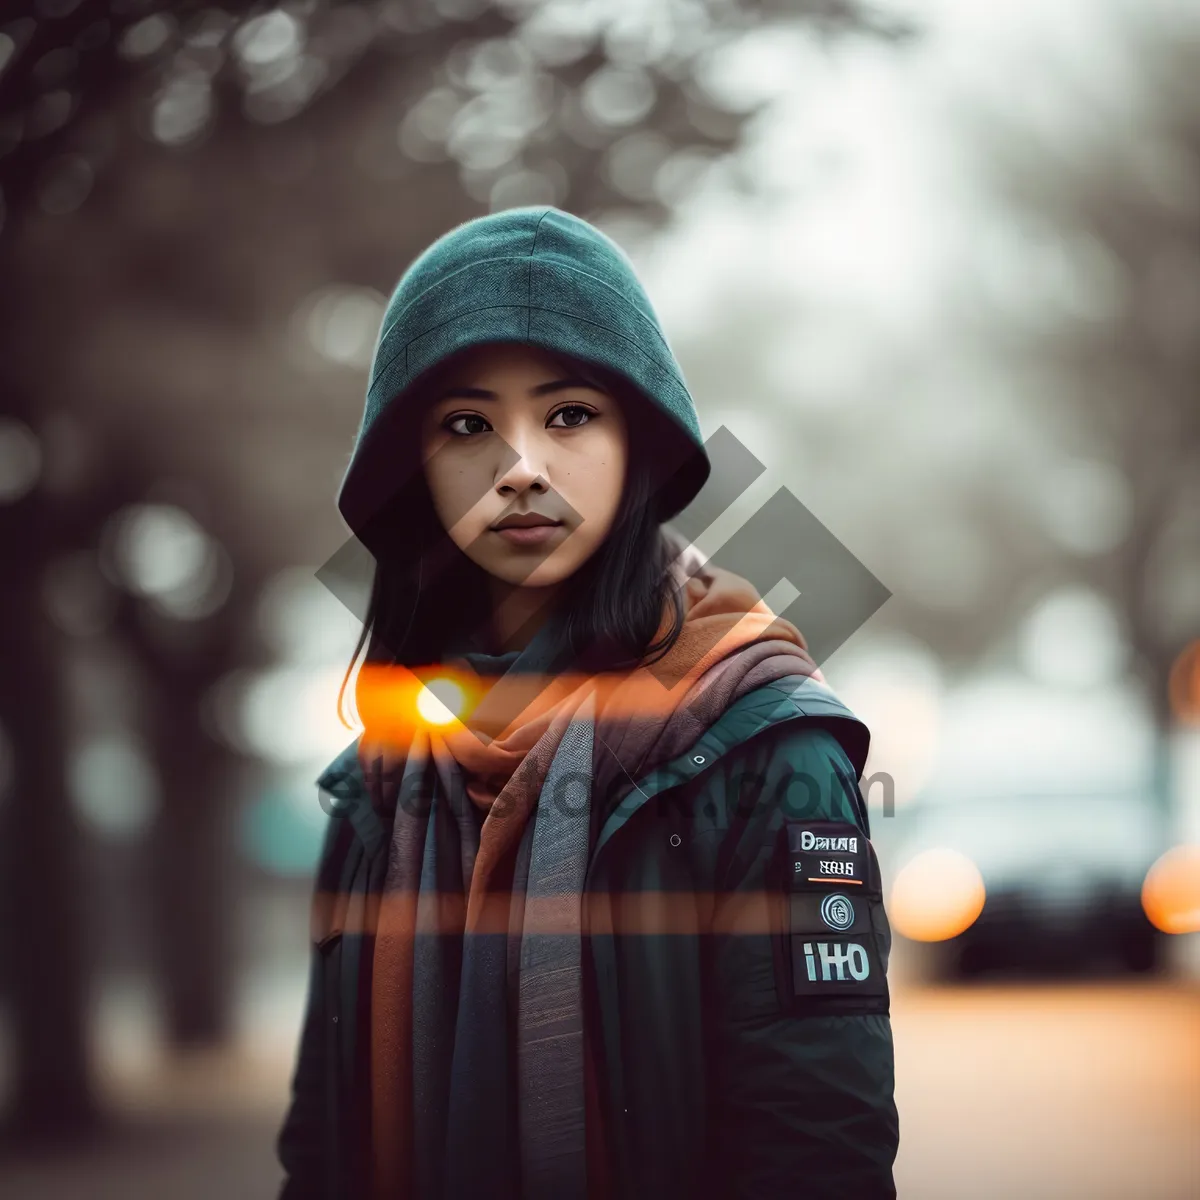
(936, 264)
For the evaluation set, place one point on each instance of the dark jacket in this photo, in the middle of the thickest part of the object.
(749, 1057)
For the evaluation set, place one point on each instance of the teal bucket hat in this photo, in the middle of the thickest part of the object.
(536, 275)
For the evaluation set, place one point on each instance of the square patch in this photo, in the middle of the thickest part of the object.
(829, 957)
(827, 854)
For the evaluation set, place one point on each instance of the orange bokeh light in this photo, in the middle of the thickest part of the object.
(1183, 684)
(1171, 891)
(936, 895)
(394, 701)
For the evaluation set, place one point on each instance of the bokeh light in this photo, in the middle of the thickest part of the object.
(936, 895)
(1184, 684)
(342, 324)
(147, 37)
(441, 701)
(304, 622)
(20, 459)
(895, 686)
(1072, 638)
(114, 788)
(267, 38)
(182, 110)
(1084, 504)
(392, 700)
(160, 552)
(1171, 892)
(285, 714)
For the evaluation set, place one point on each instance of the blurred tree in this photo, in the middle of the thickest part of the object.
(44, 957)
(1105, 236)
(182, 184)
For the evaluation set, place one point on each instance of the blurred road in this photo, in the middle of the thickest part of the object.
(1049, 1092)
(1043, 1092)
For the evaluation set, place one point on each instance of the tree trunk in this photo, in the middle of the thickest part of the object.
(193, 874)
(45, 965)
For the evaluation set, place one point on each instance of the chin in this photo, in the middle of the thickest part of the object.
(544, 575)
(552, 570)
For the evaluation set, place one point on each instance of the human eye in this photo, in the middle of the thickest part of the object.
(588, 414)
(450, 424)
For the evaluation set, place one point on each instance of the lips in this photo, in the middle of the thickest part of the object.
(524, 521)
(527, 529)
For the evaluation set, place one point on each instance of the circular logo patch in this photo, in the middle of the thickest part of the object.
(836, 911)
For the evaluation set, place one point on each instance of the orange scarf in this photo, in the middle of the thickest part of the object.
(730, 642)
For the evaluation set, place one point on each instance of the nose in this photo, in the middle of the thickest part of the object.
(525, 472)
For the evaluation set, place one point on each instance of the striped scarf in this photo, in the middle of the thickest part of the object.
(483, 1080)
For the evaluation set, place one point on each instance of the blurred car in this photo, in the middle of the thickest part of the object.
(1058, 878)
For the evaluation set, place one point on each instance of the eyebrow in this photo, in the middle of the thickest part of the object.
(542, 389)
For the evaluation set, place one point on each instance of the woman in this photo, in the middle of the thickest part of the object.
(597, 914)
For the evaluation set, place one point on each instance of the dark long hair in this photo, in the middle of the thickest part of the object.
(426, 592)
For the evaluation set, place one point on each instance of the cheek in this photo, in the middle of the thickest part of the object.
(438, 480)
(455, 493)
(602, 480)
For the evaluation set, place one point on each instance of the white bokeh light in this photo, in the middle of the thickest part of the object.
(895, 686)
(1072, 638)
(113, 786)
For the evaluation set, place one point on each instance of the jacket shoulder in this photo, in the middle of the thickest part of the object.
(788, 750)
(796, 702)
(799, 768)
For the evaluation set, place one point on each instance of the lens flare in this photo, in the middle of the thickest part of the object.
(441, 701)
(1171, 891)
(936, 895)
(393, 702)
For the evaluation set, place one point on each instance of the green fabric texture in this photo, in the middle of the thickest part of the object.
(537, 275)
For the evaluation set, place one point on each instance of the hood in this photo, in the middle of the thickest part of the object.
(537, 275)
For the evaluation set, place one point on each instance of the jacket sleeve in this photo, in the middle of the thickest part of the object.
(302, 1142)
(802, 1085)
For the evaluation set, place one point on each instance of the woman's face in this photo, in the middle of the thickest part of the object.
(510, 434)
